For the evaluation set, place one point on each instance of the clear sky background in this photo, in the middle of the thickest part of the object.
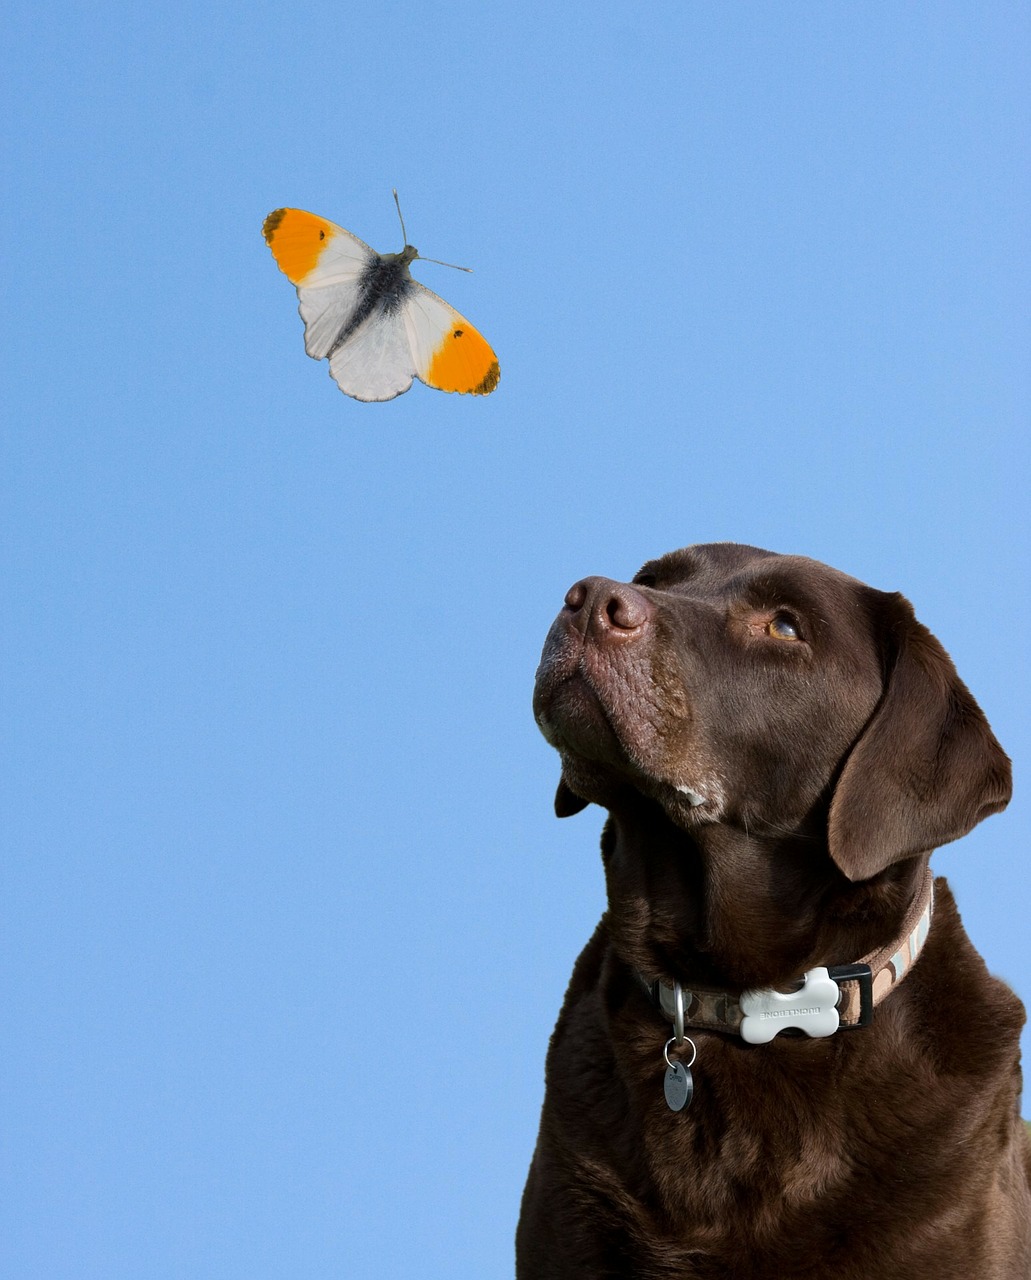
(286, 915)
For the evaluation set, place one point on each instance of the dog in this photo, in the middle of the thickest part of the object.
(779, 1057)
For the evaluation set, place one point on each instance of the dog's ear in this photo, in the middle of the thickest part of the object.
(567, 802)
(926, 768)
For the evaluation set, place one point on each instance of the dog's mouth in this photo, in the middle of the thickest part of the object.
(608, 721)
(573, 717)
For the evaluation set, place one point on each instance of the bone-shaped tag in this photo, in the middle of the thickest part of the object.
(812, 1009)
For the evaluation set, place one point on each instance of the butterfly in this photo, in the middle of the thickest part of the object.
(363, 311)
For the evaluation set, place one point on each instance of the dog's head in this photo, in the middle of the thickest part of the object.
(769, 694)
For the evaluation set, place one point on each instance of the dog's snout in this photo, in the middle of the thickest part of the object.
(608, 610)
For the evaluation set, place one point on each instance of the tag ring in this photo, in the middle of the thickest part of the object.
(694, 1053)
(678, 1013)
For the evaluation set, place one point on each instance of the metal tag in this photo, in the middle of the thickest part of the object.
(678, 1086)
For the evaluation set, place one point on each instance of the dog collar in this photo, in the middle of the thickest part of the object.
(827, 998)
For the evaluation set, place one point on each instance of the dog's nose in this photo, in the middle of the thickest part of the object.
(608, 610)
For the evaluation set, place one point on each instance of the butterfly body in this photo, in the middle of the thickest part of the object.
(364, 312)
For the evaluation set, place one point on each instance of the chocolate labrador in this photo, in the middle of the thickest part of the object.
(779, 1057)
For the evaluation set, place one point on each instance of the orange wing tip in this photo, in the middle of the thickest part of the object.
(296, 239)
(464, 362)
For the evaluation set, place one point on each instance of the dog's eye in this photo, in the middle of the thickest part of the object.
(783, 627)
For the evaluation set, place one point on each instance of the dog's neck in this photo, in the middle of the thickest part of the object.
(725, 908)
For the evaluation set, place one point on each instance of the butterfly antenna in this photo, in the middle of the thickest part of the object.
(445, 264)
(404, 233)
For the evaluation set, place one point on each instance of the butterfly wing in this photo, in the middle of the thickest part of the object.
(447, 352)
(326, 264)
(312, 250)
(374, 362)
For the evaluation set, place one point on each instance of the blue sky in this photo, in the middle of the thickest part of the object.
(286, 916)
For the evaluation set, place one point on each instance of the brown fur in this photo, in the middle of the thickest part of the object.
(828, 765)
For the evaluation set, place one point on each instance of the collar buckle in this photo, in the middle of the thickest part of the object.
(856, 1006)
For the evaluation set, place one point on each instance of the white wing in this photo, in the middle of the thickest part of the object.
(375, 362)
(327, 310)
(428, 319)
